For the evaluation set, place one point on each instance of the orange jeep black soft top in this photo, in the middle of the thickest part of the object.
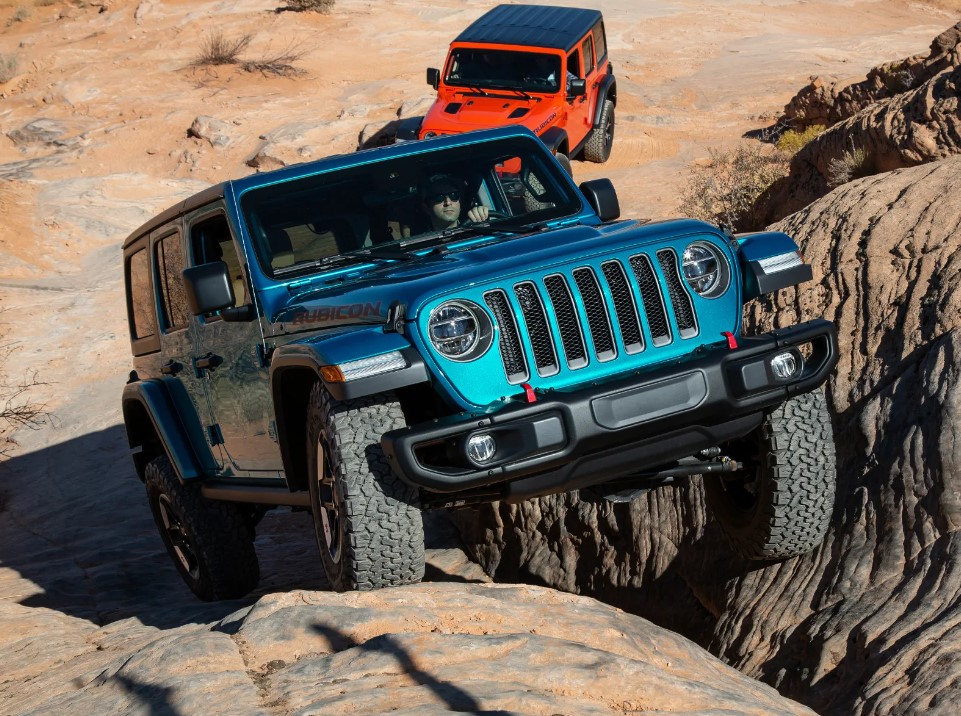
(541, 66)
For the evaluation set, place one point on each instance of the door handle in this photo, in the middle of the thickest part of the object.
(206, 363)
(171, 367)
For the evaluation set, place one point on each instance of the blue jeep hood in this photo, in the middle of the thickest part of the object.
(363, 294)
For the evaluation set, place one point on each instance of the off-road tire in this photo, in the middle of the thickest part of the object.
(210, 542)
(376, 526)
(601, 140)
(784, 508)
(565, 163)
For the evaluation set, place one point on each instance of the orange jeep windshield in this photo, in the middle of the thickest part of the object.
(504, 69)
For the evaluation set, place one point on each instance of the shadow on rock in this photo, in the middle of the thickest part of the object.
(453, 696)
(76, 528)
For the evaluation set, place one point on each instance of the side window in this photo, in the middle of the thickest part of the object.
(143, 316)
(174, 313)
(587, 49)
(574, 64)
(210, 241)
(600, 41)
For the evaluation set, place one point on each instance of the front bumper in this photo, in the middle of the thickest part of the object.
(569, 440)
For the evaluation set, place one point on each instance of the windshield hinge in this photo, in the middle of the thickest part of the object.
(396, 315)
(214, 436)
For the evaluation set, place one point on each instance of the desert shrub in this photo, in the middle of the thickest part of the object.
(321, 6)
(215, 49)
(45, 3)
(725, 190)
(16, 410)
(8, 68)
(19, 15)
(281, 64)
(792, 141)
(853, 164)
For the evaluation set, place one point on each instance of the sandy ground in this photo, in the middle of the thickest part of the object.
(110, 91)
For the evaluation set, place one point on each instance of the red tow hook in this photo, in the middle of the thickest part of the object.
(731, 340)
(529, 395)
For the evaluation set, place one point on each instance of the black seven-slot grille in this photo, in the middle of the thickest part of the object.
(556, 296)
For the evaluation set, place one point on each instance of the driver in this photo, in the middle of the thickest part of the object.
(441, 199)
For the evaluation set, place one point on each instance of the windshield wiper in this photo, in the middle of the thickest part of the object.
(373, 255)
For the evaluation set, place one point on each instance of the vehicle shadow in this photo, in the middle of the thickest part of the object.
(77, 536)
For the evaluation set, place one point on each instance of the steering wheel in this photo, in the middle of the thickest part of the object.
(491, 214)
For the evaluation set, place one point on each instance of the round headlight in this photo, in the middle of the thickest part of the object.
(430, 135)
(459, 330)
(705, 270)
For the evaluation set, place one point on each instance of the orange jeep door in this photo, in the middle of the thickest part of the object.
(579, 119)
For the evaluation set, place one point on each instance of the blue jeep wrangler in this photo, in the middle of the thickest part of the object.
(450, 322)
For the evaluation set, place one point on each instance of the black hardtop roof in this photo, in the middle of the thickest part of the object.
(558, 28)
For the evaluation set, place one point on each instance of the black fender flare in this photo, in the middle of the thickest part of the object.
(607, 90)
(555, 138)
(295, 367)
(160, 411)
(408, 129)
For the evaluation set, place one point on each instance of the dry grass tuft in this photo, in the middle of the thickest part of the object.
(216, 49)
(853, 164)
(8, 68)
(281, 64)
(322, 6)
(19, 15)
(724, 191)
(16, 411)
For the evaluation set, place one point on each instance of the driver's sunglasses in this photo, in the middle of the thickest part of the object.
(453, 195)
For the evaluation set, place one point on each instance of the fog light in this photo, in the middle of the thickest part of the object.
(481, 447)
(785, 365)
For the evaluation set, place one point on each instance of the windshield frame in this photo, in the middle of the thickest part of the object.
(530, 78)
(272, 199)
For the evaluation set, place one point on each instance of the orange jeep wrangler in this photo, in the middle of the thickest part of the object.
(543, 67)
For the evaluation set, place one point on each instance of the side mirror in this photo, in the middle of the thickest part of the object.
(433, 77)
(208, 288)
(578, 88)
(601, 196)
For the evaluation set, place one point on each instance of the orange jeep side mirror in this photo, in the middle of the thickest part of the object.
(433, 77)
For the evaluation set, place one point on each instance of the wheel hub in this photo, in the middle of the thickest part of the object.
(329, 504)
(178, 538)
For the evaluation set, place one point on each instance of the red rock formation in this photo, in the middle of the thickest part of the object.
(827, 102)
(914, 127)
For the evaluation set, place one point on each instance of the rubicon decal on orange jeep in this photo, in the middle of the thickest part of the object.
(546, 68)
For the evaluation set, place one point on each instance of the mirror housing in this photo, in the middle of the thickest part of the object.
(578, 88)
(208, 288)
(433, 77)
(602, 197)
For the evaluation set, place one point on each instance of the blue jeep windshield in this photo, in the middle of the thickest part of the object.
(504, 69)
(384, 208)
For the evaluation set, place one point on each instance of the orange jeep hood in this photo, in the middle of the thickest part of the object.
(446, 117)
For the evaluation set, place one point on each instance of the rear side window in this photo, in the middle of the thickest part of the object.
(587, 49)
(175, 313)
(600, 41)
(143, 317)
